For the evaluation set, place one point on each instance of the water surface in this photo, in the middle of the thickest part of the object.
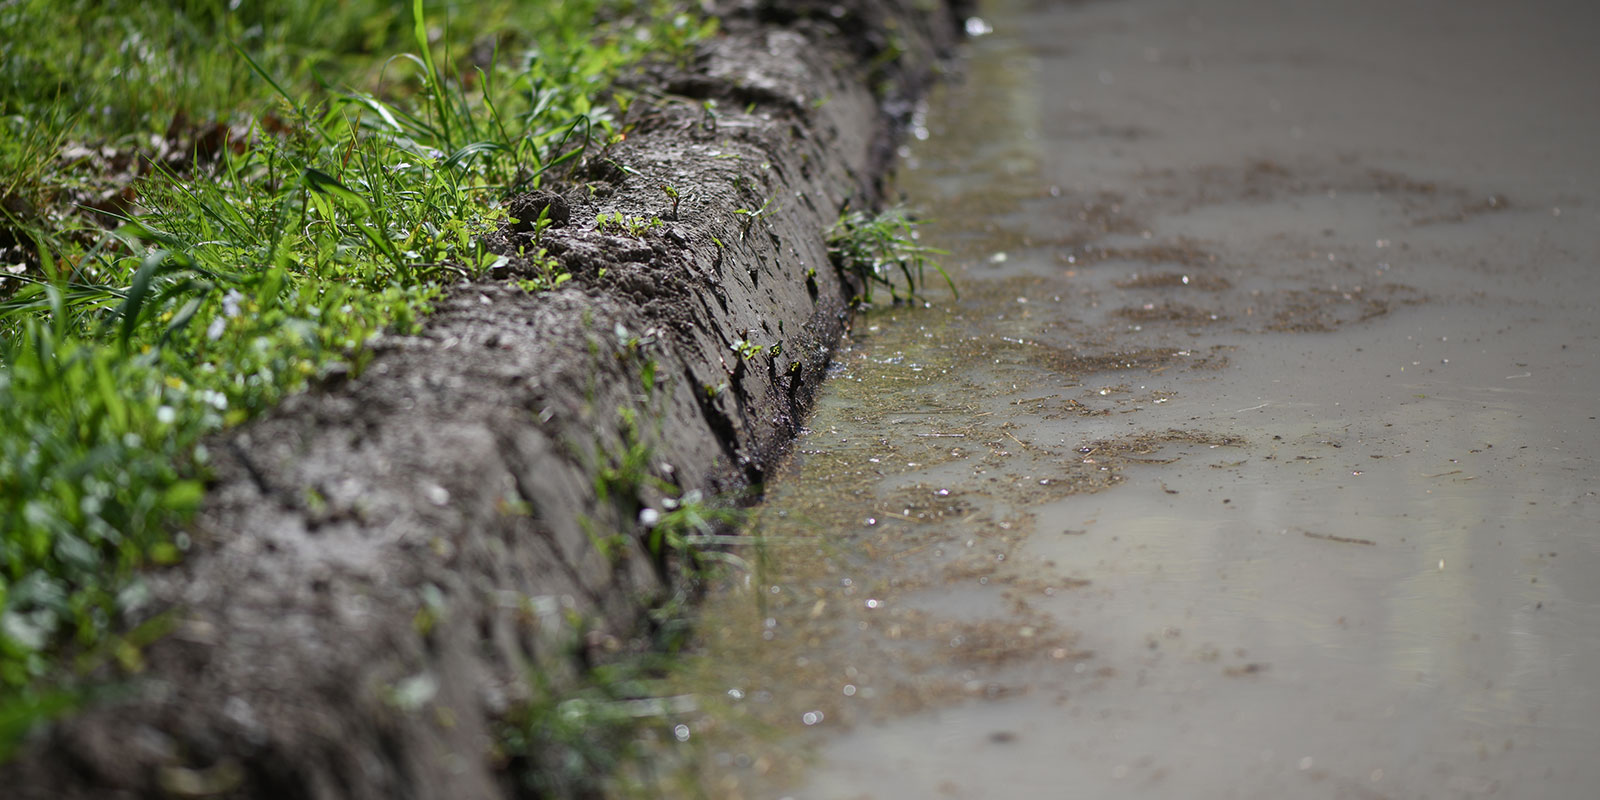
(1257, 457)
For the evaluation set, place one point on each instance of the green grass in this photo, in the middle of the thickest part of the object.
(203, 209)
(873, 248)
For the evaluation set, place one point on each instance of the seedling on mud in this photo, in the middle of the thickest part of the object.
(630, 343)
(750, 216)
(671, 194)
(747, 349)
(708, 116)
(617, 223)
(549, 276)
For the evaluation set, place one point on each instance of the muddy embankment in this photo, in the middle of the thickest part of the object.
(382, 561)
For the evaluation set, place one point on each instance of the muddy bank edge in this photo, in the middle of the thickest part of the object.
(383, 561)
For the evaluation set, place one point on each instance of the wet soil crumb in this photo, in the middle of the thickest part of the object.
(381, 561)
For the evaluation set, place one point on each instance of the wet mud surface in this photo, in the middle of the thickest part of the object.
(1255, 458)
(383, 563)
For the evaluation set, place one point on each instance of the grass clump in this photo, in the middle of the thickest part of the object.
(596, 738)
(871, 249)
(190, 231)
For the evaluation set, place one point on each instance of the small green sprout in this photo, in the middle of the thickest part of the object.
(746, 348)
(750, 216)
(618, 223)
(672, 194)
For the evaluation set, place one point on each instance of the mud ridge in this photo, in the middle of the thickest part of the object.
(382, 560)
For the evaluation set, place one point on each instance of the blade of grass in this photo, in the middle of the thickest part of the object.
(432, 78)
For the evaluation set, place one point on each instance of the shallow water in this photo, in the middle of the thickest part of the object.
(1257, 457)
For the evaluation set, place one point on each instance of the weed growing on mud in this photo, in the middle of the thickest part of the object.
(749, 216)
(677, 527)
(871, 248)
(618, 224)
(189, 232)
(597, 735)
(672, 194)
(592, 739)
(747, 349)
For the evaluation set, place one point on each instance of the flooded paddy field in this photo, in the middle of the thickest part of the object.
(1257, 456)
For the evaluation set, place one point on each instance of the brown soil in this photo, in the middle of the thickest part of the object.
(383, 560)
